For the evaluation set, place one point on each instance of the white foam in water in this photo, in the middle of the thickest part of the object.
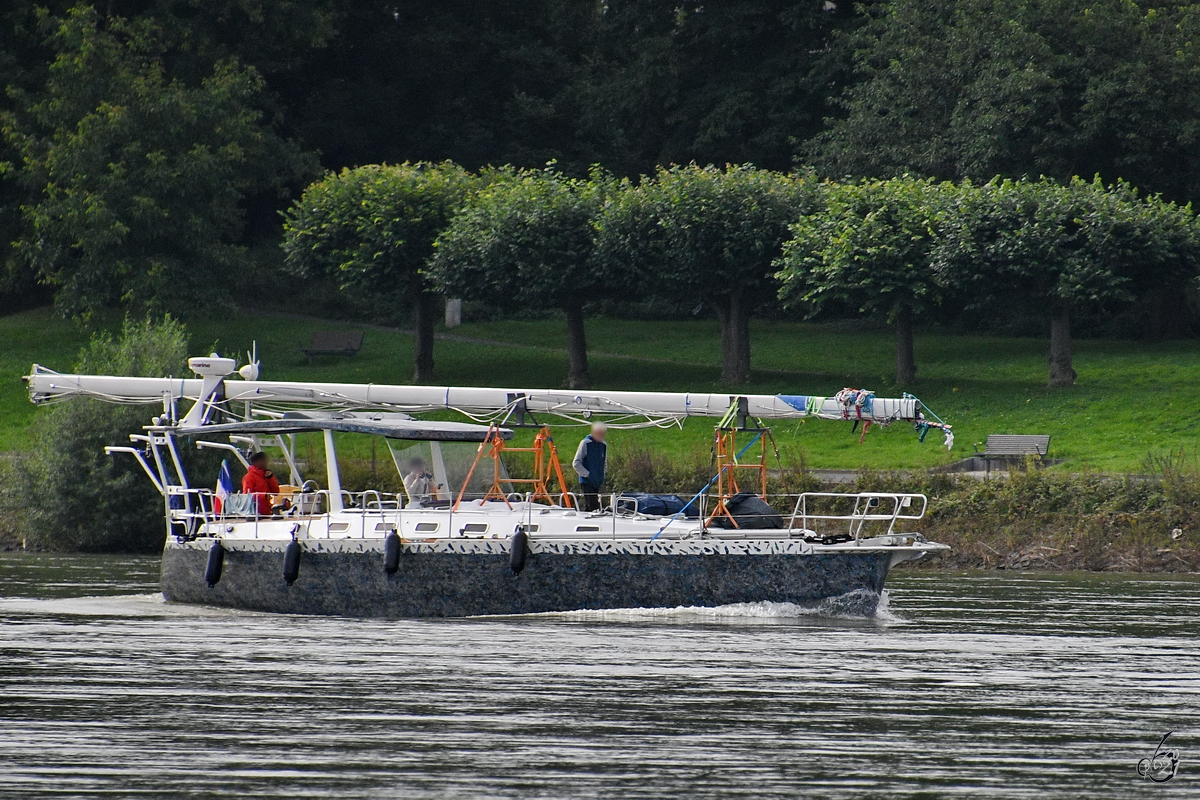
(884, 613)
(128, 605)
(849, 606)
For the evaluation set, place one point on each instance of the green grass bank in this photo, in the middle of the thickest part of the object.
(1133, 399)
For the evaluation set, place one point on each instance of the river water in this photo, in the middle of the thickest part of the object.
(968, 684)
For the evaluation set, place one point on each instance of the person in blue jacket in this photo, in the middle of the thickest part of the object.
(590, 460)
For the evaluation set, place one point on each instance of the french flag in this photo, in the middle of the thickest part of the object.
(224, 487)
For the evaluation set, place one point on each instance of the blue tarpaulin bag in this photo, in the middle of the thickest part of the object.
(660, 505)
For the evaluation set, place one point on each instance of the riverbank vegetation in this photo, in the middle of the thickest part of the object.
(62, 491)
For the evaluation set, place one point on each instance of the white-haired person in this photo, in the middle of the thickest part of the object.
(590, 460)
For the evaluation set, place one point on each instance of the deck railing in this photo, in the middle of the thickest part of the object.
(886, 508)
(833, 516)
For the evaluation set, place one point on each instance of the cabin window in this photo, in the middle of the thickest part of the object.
(339, 527)
(532, 528)
(587, 528)
(475, 527)
(386, 526)
(427, 527)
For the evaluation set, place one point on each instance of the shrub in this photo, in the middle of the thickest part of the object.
(63, 492)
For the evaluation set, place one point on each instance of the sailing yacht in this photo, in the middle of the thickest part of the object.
(485, 541)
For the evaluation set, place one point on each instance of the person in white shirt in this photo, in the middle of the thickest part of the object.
(418, 483)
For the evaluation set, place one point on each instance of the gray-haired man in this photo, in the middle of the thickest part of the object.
(590, 460)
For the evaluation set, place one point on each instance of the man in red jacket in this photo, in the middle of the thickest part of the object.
(261, 483)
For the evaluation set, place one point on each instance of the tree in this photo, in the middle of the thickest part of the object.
(529, 239)
(473, 81)
(63, 491)
(978, 88)
(666, 83)
(1065, 248)
(374, 227)
(869, 246)
(707, 233)
(138, 178)
(630, 84)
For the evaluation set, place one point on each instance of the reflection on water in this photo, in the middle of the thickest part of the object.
(969, 684)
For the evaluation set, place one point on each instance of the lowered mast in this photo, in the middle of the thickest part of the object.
(219, 387)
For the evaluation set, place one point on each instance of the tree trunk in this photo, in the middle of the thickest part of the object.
(425, 315)
(735, 339)
(1061, 371)
(577, 376)
(906, 361)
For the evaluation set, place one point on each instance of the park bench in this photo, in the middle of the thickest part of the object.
(333, 343)
(1014, 448)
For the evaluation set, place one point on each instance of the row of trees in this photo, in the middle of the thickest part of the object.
(900, 247)
(148, 144)
(736, 237)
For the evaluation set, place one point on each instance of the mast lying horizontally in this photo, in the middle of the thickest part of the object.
(218, 387)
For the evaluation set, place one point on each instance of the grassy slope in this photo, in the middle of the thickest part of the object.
(1132, 398)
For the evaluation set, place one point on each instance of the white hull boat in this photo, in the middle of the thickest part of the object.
(492, 543)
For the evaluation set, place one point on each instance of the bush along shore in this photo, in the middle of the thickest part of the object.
(1039, 520)
(1030, 519)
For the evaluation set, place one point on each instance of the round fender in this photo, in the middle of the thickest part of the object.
(216, 562)
(291, 562)
(391, 553)
(519, 551)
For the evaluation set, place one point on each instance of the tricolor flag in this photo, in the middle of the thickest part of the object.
(224, 487)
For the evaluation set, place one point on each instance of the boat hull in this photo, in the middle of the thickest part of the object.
(456, 578)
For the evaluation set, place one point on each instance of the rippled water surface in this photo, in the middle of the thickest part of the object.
(970, 684)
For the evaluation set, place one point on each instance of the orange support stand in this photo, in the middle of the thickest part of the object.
(545, 467)
(725, 449)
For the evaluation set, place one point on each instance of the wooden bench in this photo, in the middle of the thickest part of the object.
(1014, 448)
(333, 343)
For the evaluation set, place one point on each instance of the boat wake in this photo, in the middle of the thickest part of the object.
(861, 605)
(123, 605)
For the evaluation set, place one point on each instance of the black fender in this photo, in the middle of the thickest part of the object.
(391, 553)
(291, 562)
(519, 551)
(216, 562)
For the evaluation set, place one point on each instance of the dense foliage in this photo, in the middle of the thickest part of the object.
(900, 246)
(149, 146)
(1063, 249)
(868, 247)
(137, 179)
(978, 88)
